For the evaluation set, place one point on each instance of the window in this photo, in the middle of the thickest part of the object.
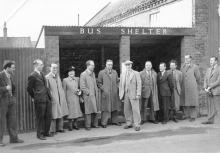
(154, 19)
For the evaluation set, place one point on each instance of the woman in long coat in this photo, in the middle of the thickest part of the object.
(71, 88)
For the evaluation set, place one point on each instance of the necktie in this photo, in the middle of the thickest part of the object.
(149, 74)
(127, 79)
(212, 69)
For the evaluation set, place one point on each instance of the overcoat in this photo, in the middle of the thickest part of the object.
(108, 84)
(70, 87)
(189, 89)
(89, 88)
(146, 87)
(177, 90)
(59, 104)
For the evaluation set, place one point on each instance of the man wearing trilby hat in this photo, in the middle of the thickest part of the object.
(129, 93)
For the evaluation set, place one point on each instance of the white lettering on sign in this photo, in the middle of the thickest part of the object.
(150, 30)
(125, 31)
(81, 31)
(165, 31)
(98, 31)
(137, 31)
(122, 31)
(129, 31)
(143, 32)
(90, 32)
(158, 31)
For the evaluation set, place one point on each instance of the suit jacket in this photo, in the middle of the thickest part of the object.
(213, 80)
(3, 84)
(147, 88)
(37, 87)
(165, 83)
(134, 84)
(178, 76)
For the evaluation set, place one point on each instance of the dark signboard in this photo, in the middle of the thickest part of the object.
(56, 31)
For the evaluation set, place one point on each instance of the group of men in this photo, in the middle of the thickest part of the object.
(163, 93)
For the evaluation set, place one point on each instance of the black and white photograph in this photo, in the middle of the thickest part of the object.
(109, 76)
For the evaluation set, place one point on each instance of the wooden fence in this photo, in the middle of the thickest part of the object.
(23, 58)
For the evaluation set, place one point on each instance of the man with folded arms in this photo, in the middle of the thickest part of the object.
(212, 88)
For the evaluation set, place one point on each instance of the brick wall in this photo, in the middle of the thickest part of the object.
(124, 49)
(201, 46)
(77, 57)
(52, 51)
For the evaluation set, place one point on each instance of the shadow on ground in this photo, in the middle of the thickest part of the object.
(121, 137)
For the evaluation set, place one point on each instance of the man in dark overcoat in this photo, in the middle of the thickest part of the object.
(8, 103)
(108, 84)
(189, 98)
(40, 93)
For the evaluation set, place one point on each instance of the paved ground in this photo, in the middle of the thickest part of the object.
(182, 137)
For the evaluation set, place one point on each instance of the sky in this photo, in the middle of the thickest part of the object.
(24, 18)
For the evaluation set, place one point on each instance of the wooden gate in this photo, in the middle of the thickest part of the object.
(23, 58)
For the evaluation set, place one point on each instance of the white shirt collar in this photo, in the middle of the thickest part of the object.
(89, 71)
(37, 71)
(7, 74)
(54, 75)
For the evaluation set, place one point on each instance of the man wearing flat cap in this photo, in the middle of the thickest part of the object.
(130, 93)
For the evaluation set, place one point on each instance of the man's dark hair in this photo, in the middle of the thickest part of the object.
(216, 58)
(173, 61)
(109, 61)
(8, 63)
(163, 64)
(189, 55)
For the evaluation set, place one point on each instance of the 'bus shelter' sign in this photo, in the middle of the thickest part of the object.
(55, 31)
(124, 31)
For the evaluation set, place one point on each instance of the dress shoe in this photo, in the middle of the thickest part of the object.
(70, 128)
(17, 141)
(87, 128)
(175, 120)
(49, 135)
(154, 121)
(142, 122)
(183, 118)
(164, 122)
(207, 122)
(61, 131)
(95, 126)
(2, 144)
(192, 120)
(128, 126)
(54, 133)
(118, 124)
(103, 126)
(76, 127)
(137, 128)
(41, 137)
